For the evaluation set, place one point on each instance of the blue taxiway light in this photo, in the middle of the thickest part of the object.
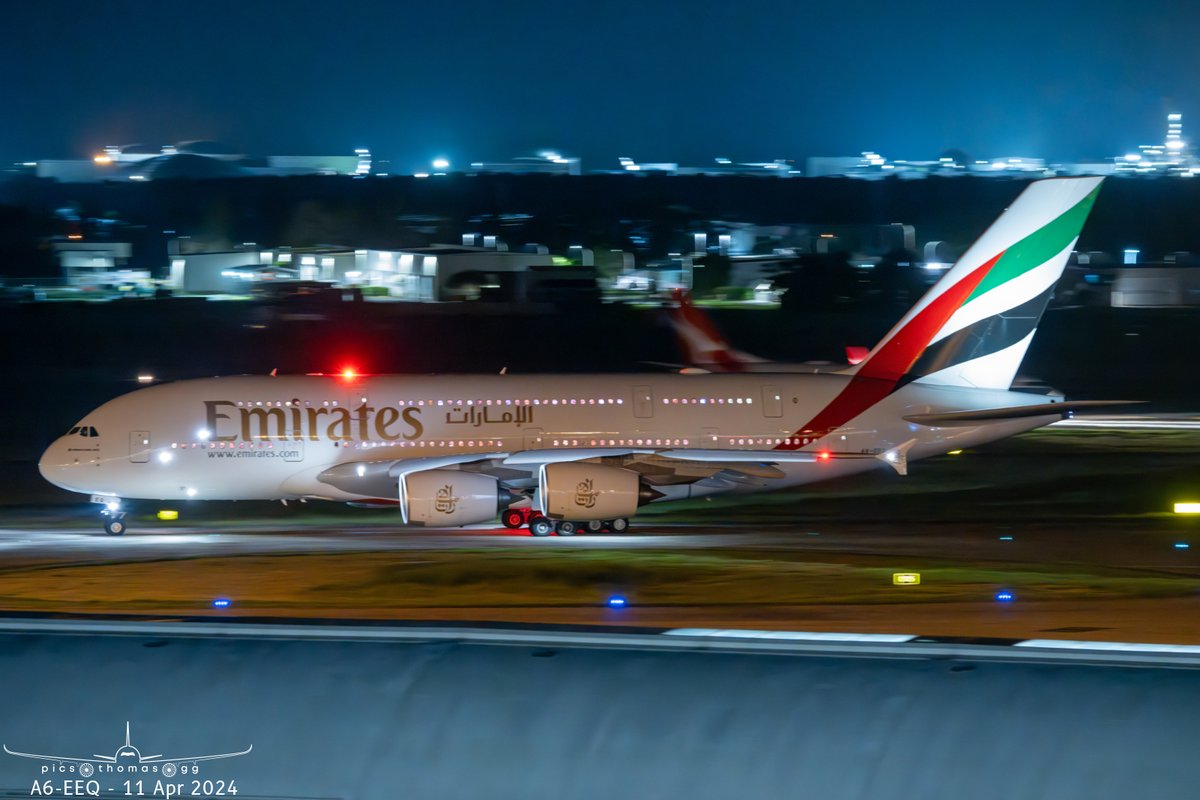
(1182, 545)
(1006, 538)
(221, 602)
(1005, 597)
(616, 601)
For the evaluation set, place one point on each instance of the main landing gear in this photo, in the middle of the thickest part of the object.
(541, 526)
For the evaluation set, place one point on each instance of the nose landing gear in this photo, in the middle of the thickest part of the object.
(113, 514)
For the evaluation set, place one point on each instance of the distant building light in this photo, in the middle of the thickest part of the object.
(441, 164)
(74, 236)
(1131, 255)
(1187, 508)
(103, 159)
(145, 379)
(354, 273)
(420, 174)
(1132, 157)
(137, 177)
(1174, 117)
(1175, 144)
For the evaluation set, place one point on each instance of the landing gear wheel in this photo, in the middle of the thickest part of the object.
(114, 527)
(540, 526)
(619, 525)
(512, 518)
(593, 526)
(565, 528)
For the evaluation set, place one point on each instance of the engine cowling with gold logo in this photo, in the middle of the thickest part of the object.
(450, 497)
(581, 492)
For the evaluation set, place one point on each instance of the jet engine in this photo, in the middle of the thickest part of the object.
(581, 492)
(451, 497)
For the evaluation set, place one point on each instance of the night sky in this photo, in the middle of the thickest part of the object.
(657, 81)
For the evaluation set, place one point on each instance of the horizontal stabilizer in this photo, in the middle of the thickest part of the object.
(976, 416)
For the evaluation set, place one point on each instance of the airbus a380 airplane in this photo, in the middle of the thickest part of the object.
(588, 450)
(705, 349)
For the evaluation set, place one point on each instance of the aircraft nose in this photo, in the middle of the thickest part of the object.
(52, 463)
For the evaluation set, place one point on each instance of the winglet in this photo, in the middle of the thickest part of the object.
(897, 457)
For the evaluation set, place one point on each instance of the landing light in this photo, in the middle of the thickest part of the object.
(1187, 508)
(203, 434)
(113, 505)
(616, 601)
(190, 492)
(360, 470)
(165, 457)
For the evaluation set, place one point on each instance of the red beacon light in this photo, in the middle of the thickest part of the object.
(349, 373)
(823, 455)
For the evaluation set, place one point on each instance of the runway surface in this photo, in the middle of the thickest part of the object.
(1139, 544)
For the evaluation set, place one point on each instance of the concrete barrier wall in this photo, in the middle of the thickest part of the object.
(389, 720)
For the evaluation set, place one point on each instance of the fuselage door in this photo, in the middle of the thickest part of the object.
(139, 446)
(643, 402)
(772, 401)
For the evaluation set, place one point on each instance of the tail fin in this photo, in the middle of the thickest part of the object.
(702, 344)
(974, 326)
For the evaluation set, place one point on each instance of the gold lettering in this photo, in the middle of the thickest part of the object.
(342, 422)
(264, 416)
(314, 432)
(361, 414)
(212, 417)
(386, 417)
(411, 416)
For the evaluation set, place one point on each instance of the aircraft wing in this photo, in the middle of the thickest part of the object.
(975, 416)
(214, 756)
(44, 757)
(659, 466)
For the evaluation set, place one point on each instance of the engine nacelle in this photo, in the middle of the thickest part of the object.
(450, 497)
(581, 492)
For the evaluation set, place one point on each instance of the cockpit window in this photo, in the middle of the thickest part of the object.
(73, 431)
(83, 430)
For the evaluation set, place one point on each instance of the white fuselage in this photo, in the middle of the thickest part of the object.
(251, 437)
